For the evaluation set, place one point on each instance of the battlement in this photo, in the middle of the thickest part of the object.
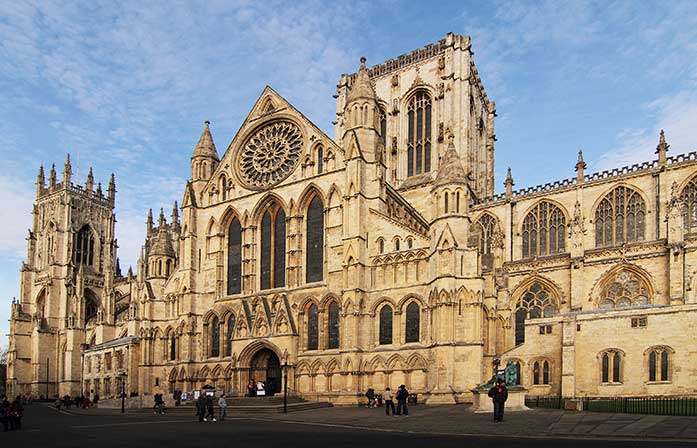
(597, 177)
(87, 191)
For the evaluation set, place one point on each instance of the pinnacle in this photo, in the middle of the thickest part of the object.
(362, 86)
(205, 146)
(450, 168)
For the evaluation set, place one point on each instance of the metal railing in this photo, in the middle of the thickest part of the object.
(679, 406)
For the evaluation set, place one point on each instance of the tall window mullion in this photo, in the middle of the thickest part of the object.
(419, 118)
(314, 253)
(234, 267)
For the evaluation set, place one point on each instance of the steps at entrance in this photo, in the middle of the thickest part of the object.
(250, 405)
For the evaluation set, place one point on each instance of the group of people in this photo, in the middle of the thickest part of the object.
(388, 398)
(11, 414)
(67, 401)
(204, 408)
(256, 388)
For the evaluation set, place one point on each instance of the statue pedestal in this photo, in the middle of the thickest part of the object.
(482, 403)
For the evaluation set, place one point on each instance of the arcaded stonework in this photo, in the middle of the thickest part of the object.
(380, 257)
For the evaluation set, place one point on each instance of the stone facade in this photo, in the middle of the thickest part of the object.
(380, 257)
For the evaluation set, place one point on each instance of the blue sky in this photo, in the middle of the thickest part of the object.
(126, 87)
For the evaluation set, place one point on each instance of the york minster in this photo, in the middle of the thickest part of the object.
(379, 256)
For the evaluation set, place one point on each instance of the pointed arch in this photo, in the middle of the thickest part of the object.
(534, 298)
(272, 216)
(84, 246)
(620, 216)
(543, 229)
(314, 240)
(419, 126)
(624, 285)
(688, 196)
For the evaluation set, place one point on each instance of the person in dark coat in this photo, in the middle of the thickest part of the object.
(5, 414)
(499, 395)
(201, 408)
(252, 388)
(209, 409)
(402, 395)
(370, 395)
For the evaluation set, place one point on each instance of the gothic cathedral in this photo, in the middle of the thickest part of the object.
(377, 258)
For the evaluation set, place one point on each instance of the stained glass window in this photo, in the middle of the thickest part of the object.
(537, 301)
(689, 198)
(228, 339)
(620, 218)
(234, 258)
(383, 127)
(83, 251)
(172, 347)
(536, 373)
(419, 134)
(385, 325)
(312, 328)
(315, 241)
(616, 367)
(333, 326)
(215, 337)
(545, 372)
(91, 305)
(659, 364)
(320, 160)
(413, 321)
(544, 230)
(484, 230)
(273, 248)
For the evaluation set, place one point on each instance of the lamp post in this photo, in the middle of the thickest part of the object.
(123, 376)
(285, 387)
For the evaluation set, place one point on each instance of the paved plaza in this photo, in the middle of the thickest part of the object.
(448, 426)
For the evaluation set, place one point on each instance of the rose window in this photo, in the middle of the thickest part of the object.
(270, 154)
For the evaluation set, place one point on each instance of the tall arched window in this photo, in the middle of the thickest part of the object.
(312, 328)
(315, 241)
(545, 372)
(620, 218)
(536, 372)
(413, 322)
(544, 230)
(689, 198)
(659, 363)
(223, 187)
(215, 337)
(173, 347)
(610, 366)
(419, 134)
(381, 246)
(91, 305)
(541, 372)
(320, 160)
(624, 289)
(537, 301)
(273, 247)
(385, 325)
(383, 127)
(234, 257)
(230, 329)
(483, 230)
(333, 326)
(83, 251)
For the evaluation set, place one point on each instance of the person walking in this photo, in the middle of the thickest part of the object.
(222, 404)
(389, 404)
(370, 395)
(402, 395)
(209, 409)
(499, 395)
(201, 408)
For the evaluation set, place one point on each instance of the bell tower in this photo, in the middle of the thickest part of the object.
(65, 285)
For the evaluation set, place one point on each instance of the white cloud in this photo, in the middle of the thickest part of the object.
(16, 198)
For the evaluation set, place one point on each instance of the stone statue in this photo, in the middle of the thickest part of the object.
(510, 373)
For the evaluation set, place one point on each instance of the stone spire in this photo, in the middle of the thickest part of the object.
(149, 223)
(99, 189)
(162, 244)
(175, 214)
(205, 146)
(40, 180)
(662, 149)
(111, 191)
(161, 219)
(362, 87)
(580, 166)
(118, 268)
(509, 184)
(52, 176)
(89, 185)
(67, 172)
(450, 168)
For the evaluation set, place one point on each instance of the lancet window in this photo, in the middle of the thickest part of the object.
(544, 230)
(620, 218)
(537, 301)
(419, 134)
(234, 258)
(315, 241)
(273, 247)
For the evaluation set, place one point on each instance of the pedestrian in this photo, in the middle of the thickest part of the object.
(222, 404)
(370, 395)
(499, 395)
(389, 404)
(201, 408)
(159, 404)
(4, 413)
(402, 395)
(251, 387)
(209, 409)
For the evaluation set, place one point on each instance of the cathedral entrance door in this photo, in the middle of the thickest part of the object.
(266, 367)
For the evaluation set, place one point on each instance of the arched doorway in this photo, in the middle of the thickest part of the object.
(266, 367)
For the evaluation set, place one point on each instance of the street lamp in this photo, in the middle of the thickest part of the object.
(123, 376)
(285, 387)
